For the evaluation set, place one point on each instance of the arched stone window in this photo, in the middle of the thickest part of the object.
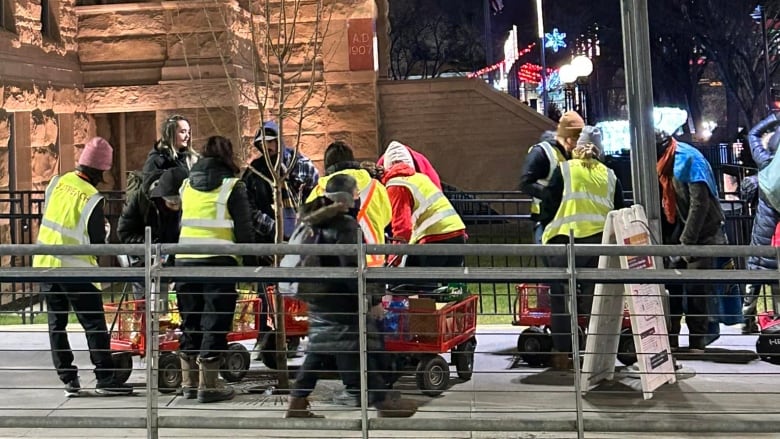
(7, 21)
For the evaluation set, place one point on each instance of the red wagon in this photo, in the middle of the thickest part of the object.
(425, 334)
(535, 342)
(128, 339)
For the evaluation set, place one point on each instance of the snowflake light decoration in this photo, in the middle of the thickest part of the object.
(555, 40)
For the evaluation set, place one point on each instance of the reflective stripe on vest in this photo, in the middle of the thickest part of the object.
(433, 213)
(370, 235)
(205, 216)
(554, 157)
(68, 205)
(588, 196)
(375, 210)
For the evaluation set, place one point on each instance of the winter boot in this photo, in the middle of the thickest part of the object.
(209, 389)
(750, 325)
(396, 407)
(189, 375)
(299, 408)
(561, 361)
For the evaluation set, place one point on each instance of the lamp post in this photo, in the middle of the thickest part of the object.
(575, 75)
(759, 15)
(540, 30)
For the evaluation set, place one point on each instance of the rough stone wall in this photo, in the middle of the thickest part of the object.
(27, 15)
(476, 137)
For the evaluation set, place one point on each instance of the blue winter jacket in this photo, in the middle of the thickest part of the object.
(766, 217)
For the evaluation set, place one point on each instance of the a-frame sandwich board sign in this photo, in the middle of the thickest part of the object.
(645, 305)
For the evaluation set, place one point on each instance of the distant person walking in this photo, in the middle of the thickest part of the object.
(73, 215)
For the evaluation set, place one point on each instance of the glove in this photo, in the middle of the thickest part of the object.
(264, 224)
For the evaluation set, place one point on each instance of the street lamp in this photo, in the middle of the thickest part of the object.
(575, 75)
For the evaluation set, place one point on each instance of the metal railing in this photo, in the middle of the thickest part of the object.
(491, 217)
(595, 413)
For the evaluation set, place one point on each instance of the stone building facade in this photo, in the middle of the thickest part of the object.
(73, 69)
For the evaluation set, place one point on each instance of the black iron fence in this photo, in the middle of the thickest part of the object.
(491, 217)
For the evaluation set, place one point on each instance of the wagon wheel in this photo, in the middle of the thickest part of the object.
(433, 375)
(169, 372)
(463, 358)
(534, 345)
(626, 350)
(236, 363)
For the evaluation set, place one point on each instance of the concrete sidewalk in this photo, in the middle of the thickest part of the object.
(734, 395)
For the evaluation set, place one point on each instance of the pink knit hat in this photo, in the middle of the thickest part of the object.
(97, 154)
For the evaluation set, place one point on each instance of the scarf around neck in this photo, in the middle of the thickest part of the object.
(665, 169)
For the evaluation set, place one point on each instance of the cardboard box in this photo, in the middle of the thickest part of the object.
(423, 319)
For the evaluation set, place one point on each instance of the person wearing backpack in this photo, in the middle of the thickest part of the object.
(763, 139)
(334, 315)
(156, 204)
(214, 210)
(173, 149)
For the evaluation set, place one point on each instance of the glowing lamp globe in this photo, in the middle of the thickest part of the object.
(583, 66)
(567, 73)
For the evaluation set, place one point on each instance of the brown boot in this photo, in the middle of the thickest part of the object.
(561, 361)
(396, 408)
(189, 375)
(299, 408)
(209, 389)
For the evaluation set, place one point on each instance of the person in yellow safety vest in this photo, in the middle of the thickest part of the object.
(540, 162)
(373, 210)
(215, 210)
(73, 215)
(582, 191)
(421, 212)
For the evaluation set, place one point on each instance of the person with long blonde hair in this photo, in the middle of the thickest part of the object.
(582, 191)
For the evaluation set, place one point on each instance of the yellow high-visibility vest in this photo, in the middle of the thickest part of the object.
(433, 213)
(555, 157)
(68, 205)
(588, 196)
(205, 218)
(375, 209)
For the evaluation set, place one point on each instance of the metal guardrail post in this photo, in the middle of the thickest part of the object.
(363, 334)
(151, 330)
(575, 333)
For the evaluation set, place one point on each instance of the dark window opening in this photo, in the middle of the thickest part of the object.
(7, 16)
(49, 27)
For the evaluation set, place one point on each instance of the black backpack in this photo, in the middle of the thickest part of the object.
(135, 185)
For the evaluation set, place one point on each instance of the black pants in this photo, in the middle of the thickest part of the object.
(207, 311)
(697, 309)
(348, 366)
(87, 304)
(560, 321)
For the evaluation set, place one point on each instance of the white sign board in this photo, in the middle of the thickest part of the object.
(510, 50)
(645, 305)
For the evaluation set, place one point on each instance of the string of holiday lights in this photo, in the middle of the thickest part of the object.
(499, 64)
(530, 72)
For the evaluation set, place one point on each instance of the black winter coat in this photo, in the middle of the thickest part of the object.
(160, 159)
(766, 216)
(206, 175)
(333, 306)
(537, 167)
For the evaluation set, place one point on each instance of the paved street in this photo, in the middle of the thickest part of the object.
(719, 393)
